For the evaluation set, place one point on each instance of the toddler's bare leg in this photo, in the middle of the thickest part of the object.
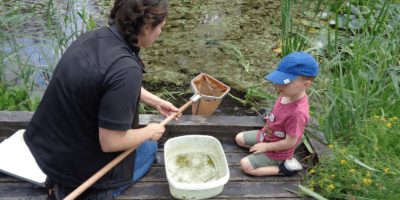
(240, 141)
(261, 171)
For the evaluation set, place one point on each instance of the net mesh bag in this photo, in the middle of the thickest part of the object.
(207, 86)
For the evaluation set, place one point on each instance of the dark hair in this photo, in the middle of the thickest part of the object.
(130, 17)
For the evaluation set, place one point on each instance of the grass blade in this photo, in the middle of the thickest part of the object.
(362, 164)
(311, 193)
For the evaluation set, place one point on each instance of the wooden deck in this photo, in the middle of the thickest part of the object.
(154, 185)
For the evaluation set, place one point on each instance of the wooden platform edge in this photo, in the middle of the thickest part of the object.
(218, 126)
(320, 149)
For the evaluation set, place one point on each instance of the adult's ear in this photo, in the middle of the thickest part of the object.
(146, 29)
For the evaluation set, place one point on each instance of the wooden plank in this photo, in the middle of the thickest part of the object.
(218, 126)
(158, 174)
(23, 191)
(2, 139)
(320, 149)
(239, 190)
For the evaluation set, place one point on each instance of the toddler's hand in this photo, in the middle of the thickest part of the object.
(266, 118)
(259, 148)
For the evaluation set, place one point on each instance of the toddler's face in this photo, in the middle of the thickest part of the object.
(292, 89)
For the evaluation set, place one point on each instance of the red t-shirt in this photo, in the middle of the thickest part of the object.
(285, 119)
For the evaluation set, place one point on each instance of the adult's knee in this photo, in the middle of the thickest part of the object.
(153, 147)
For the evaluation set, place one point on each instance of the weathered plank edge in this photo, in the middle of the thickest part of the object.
(219, 126)
(320, 149)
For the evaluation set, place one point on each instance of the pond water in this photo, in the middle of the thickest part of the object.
(183, 49)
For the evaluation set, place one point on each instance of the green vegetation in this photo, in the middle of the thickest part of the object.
(358, 53)
(18, 93)
(366, 163)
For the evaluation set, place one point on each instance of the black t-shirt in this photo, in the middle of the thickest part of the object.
(96, 83)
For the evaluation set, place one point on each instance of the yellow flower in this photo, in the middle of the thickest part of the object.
(333, 175)
(331, 186)
(352, 170)
(343, 161)
(312, 171)
(312, 182)
(377, 117)
(319, 159)
(368, 174)
(351, 137)
(376, 148)
(367, 181)
(330, 146)
(394, 118)
(386, 170)
(343, 150)
(391, 119)
(278, 50)
(312, 189)
(312, 30)
(352, 184)
(389, 125)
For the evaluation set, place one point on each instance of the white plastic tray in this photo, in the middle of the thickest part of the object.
(17, 160)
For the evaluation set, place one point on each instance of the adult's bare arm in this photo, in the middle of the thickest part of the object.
(114, 140)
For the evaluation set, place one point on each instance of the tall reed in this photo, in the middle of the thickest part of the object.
(61, 29)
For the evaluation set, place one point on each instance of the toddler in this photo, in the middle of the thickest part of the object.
(273, 146)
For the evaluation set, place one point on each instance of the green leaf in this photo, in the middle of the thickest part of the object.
(309, 133)
(362, 164)
(93, 24)
(309, 148)
(240, 100)
(11, 13)
(23, 107)
(311, 193)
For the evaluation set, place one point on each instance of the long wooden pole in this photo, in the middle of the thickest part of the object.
(78, 191)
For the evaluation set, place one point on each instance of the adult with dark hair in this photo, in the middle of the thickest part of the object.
(89, 113)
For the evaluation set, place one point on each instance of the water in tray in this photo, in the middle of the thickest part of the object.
(194, 167)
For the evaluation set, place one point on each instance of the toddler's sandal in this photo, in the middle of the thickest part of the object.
(293, 165)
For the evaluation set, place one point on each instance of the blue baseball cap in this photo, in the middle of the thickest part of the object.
(293, 65)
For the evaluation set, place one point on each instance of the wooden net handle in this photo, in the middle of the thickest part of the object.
(78, 191)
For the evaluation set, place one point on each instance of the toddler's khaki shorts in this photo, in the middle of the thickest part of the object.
(258, 160)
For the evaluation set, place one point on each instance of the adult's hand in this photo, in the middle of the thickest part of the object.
(156, 131)
(166, 109)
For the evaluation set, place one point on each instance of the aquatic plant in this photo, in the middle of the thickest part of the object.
(24, 65)
(235, 51)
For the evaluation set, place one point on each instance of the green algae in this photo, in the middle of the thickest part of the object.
(181, 51)
(183, 161)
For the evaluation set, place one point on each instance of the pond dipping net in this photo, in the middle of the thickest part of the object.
(211, 91)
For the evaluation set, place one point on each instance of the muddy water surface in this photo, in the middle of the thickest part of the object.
(183, 50)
